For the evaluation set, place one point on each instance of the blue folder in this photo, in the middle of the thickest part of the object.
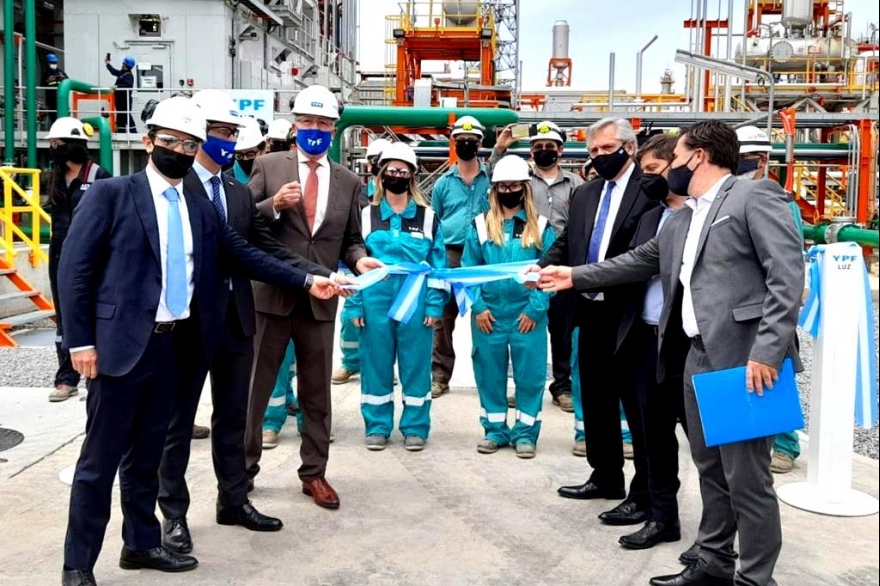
(730, 413)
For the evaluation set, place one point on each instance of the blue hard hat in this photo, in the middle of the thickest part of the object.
(128, 61)
(51, 58)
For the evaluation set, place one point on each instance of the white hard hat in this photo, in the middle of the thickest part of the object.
(279, 129)
(467, 125)
(753, 140)
(316, 100)
(217, 106)
(249, 136)
(181, 114)
(510, 168)
(68, 128)
(549, 135)
(399, 151)
(377, 146)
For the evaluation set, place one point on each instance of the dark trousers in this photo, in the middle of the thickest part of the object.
(313, 344)
(230, 382)
(561, 326)
(662, 407)
(738, 497)
(124, 120)
(65, 375)
(607, 380)
(443, 355)
(126, 422)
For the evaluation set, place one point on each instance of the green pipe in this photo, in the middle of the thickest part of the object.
(105, 143)
(415, 118)
(848, 233)
(72, 85)
(30, 52)
(8, 83)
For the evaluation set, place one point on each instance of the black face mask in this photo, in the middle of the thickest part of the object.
(246, 166)
(654, 186)
(511, 199)
(279, 146)
(680, 178)
(466, 150)
(70, 151)
(170, 163)
(609, 166)
(395, 185)
(545, 158)
(747, 167)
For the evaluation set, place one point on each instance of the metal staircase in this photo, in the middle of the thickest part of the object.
(43, 308)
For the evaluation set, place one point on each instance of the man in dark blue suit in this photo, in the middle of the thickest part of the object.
(143, 278)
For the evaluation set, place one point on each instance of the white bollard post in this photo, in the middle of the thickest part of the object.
(828, 489)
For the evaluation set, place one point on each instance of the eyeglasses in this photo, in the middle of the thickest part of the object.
(223, 132)
(394, 172)
(247, 155)
(189, 147)
(509, 187)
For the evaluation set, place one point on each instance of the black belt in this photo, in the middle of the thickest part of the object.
(697, 342)
(164, 327)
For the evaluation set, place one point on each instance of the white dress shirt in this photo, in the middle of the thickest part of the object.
(323, 171)
(700, 207)
(157, 186)
(613, 208)
(205, 178)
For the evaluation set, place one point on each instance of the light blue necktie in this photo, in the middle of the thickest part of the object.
(215, 197)
(175, 262)
(599, 230)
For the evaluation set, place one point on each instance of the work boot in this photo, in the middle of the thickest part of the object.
(579, 449)
(342, 375)
(525, 449)
(487, 446)
(376, 442)
(62, 392)
(414, 443)
(438, 389)
(511, 401)
(627, 451)
(564, 402)
(270, 439)
(781, 463)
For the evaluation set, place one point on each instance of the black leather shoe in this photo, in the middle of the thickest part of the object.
(175, 535)
(78, 578)
(248, 517)
(588, 490)
(692, 575)
(157, 558)
(651, 534)
(691, 556)
(626, 513)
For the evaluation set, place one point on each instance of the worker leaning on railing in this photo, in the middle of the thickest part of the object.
(73, 172)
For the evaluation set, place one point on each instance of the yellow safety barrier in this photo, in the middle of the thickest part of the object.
(10, 233)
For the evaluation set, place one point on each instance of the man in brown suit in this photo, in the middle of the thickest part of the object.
(312, 204)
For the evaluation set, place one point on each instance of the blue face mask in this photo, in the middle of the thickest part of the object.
(220, 151)
(747, 167)
(313, 141)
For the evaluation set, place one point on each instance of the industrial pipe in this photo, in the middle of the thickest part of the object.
(30, 56)
(611, 82)
(639, 64)
(105, 141)
(8, 83)
(415, 118)
(830, 233)
(71, 85)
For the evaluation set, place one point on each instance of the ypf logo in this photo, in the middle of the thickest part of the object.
(844, 261)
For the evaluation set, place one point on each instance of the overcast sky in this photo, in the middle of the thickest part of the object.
(620, 26)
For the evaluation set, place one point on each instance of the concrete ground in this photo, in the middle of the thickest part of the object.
(447, 516)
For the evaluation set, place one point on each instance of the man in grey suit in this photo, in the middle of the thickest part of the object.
(731, 268)
(312, 205)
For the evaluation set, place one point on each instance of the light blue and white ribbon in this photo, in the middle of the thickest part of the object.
(866, 353)
(460, 280)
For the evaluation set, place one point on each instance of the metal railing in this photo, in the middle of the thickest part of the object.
(10, 231)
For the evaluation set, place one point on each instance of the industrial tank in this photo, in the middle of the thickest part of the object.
(460, 13)
(560, 39)
(791, 54)
(797, 13)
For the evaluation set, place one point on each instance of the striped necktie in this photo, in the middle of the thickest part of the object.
(216, 198)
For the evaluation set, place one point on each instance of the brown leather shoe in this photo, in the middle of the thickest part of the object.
(201, 432)
(320, 490)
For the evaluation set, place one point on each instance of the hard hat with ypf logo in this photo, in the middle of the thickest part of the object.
(218, 106)
(753, 140)
(181, 114)
(399, 151)
(249, 136)
(547, 130)
(279, 129)
(316, 100)
(68, 128)
(377, 146)
(510, 168)
(467, 125)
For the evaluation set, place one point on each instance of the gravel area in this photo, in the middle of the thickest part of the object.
(35, 367)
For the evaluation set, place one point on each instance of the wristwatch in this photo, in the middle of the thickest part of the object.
(310, 280)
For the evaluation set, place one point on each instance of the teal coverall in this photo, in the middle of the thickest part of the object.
(283, 395)
(491, 353)
(413, 236)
